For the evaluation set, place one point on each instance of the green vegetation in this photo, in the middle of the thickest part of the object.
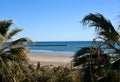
(96, 64)
(14, 65)
(54, 74)
(12, 55)
(92, 64)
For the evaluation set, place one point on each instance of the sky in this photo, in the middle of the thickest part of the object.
(57, 20)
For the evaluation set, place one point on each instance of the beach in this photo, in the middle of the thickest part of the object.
(50, 60)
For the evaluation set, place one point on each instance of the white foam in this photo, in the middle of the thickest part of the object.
(52, 52)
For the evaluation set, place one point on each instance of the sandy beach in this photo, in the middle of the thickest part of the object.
(45, 59)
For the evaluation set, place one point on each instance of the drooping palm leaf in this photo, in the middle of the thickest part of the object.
(102, 25)
(20, 42)
(82, 51)
(13, 32)
(5, 69)
(77, 59)
(82, 56)
(2, 39)
(17, 54)
(97, 20)
(13, 55)
(115, 64)
(99, 61)
(4, 26)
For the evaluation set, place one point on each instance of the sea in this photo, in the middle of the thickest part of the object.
(57, 47)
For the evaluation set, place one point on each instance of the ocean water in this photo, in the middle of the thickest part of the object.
(57, 47)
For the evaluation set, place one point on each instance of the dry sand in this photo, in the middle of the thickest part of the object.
(55, 60)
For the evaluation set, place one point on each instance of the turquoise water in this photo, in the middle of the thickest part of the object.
(57, 47)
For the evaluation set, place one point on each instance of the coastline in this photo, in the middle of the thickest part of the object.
(50, 60)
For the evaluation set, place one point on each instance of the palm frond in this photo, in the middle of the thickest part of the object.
(17, 54)
(115, 64)
(4, 26)
(81, 56)
(13, 32)
(79, 61)
(5, 69)
(102, 25)
(13, 55)
(2, 38)
(97, 20)
(82, 51)
(20, 42)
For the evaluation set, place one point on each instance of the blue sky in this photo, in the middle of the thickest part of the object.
(57, 20)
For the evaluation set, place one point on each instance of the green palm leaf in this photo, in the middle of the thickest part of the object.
(82, 56)
(102, 26)
(115, 64)
(20, 42)
(13, 55)
(13, 32)
(17, 54)
(4, 26)
(79, 57)
(82, 51)
(99, 61)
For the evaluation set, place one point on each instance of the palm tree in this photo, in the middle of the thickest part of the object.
(91, 63)
(97, 61)
(104, 29)
(13, 57)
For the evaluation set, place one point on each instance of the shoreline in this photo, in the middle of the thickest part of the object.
(49, 60)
